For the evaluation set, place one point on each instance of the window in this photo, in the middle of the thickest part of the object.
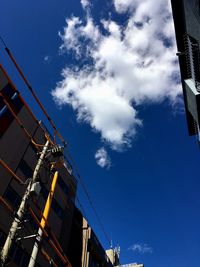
(25, 260)
(12, 97)
(63, 185)
(12, 197)
(44, 191)
(25, 169)
(19, 256)
(55, 206)
(2, 238)
(5, 117)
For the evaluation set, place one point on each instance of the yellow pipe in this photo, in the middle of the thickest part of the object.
(49, 200)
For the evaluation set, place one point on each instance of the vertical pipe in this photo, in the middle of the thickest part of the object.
(35, 250)
(21, 210)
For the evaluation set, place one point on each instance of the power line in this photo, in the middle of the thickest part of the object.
(56, 132)
(89, 199)
(60, 136)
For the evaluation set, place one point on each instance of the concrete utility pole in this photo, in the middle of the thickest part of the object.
(19, 215)
(35, 250)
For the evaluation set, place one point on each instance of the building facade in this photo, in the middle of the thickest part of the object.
(186, 16)
(85, 249)
(22, 138)
(67, 238)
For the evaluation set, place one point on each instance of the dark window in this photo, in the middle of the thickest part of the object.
(3, 107)
(13, 250)
(18, 256)
(55, 206)
(31, 222)
(12, 197)
(63, 185)
(44, 192)
(25, 169)
(13, 99)
(25, 260)
(5, 117)
(2, 238)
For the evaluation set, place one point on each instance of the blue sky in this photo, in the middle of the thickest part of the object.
(118, 99)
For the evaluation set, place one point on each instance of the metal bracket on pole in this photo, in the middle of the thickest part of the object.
(26, 237)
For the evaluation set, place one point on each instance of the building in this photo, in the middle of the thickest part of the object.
(186, 16)
(114, 255)
(67, 238)
(22, 138)
(85, 249)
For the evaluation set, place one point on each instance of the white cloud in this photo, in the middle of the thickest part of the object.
(141, 248)
(122, 6)
(74, 31)
(85, 3)
(47, 58)
(102, 158)
(129, 66)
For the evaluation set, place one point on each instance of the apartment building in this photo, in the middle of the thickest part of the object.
(22, 138)
(85, 249)
(67, 238)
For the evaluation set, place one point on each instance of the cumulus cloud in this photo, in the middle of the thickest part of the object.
(85, 3)
(102, 158)
(122, 6)
(141, 248)
(125, 67)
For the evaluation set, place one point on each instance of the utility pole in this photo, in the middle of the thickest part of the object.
(21, 210)
(33, 257)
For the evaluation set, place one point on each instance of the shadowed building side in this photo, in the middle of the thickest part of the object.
(85, 249)
(22, 137)
(186, 14)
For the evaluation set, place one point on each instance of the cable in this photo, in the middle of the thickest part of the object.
(89, 199)
(20, 123)
(32, 92)
(62, 257)
(56, 132)
(82, 208)
(49, 227)
(47, 257)
(2, 41)
(43, 252)
(7, 205)
(17, 178)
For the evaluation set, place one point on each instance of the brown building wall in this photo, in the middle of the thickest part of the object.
(21, 155)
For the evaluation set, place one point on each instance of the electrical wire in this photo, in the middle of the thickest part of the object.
(50, 241)
(60, 136)
(89, 199)
(21, 182)
(56, 132)
(50, 233)
(19, 122)
(17, 178)
(43, 252)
